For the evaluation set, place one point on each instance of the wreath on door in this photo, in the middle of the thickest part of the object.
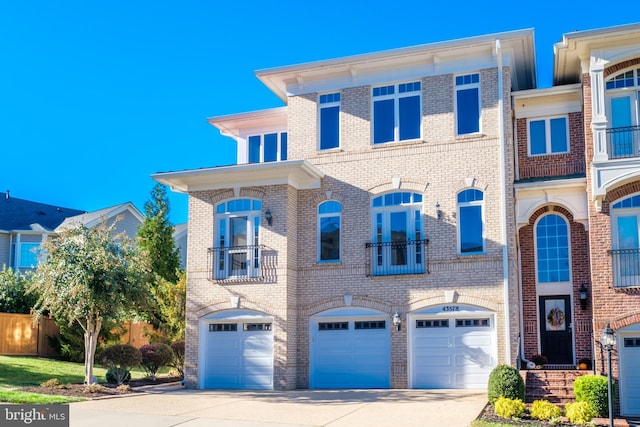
(555, 318)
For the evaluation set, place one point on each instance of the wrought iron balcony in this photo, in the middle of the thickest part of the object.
(623, 142)
(236, 262)
(626, 267)
(398, 257)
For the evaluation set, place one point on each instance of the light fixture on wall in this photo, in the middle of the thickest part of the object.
(583, 291)
(268, 217)
(608, 340)
(397, 321)
(438, 211)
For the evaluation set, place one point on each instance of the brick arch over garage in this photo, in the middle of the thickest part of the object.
(231, 304)
(347, 301)
(462, 299)
(625, 320)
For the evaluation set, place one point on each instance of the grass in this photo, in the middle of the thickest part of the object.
(20, 371)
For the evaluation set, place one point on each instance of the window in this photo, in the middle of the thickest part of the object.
(28, 255)
(237, 249)
(396, 112)
(625, 224)
(329, 115)
(397, 246)
(552, 249)
(270, 147)
(467, 104)
(470, 221)
(329, 218)
(548, 136)
(371, 324)
(623, 132)
(444, 323)
(223, 327)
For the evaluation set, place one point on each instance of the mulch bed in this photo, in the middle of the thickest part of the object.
(101, 390)
(488, 414)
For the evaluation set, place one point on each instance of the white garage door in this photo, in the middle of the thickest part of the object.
(629, 357)
(452, 347)
(236, 352)
(350, 349)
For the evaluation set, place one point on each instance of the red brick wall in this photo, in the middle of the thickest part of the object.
(570, 163)
(580, 275)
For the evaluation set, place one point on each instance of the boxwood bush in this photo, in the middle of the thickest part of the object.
(593, 389)
(505, 381)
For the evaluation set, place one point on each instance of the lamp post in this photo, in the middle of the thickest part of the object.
(608, 340)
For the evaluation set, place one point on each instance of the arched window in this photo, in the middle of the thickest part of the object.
(236, 248)
(329, 223)
(470, 222)
(625, 239)
(397, 233)
(552, 249)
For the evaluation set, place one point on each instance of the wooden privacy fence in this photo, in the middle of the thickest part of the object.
(19, 336)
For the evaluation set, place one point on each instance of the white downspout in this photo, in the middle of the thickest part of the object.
(503, 196)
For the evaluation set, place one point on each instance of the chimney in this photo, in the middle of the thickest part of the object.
(7, 195)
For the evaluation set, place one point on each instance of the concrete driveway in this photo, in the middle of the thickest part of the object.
(173, 406)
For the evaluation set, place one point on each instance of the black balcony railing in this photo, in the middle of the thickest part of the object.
(626, 267)
(623, 142)
(399, 257)
(236, 262)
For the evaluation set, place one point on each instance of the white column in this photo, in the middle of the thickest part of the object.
(599, 118)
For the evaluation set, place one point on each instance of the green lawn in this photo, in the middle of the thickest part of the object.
(21, 371)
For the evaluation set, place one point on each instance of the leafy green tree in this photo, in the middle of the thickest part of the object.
(155, 235)
(90, 277)
(13, 296)
(170, 304)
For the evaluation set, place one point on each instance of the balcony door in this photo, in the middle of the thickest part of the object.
(622, 117)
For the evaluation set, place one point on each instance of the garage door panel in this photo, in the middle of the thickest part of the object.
(629, 356)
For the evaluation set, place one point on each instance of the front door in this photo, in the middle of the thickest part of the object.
(555, 329)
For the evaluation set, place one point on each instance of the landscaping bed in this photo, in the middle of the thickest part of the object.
(99, 390)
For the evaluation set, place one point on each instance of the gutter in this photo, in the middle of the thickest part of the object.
(503, 197)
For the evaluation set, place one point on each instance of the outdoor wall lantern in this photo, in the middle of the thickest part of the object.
(608, 340)
(438, 211)
(583, 296)
(268, 216)
(397, 321)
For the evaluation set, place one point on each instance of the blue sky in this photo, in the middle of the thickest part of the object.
(97, 96)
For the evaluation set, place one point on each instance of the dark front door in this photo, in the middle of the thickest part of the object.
(555, 329)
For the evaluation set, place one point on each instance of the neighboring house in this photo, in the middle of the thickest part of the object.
(365, 237)
(180, 239)
(413, 217)
(25, 224)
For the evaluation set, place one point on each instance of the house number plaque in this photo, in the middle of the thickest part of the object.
(451, 308)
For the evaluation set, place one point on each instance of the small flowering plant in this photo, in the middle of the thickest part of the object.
(539, 359)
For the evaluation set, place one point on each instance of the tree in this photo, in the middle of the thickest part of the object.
(13, 296)
(155, 235)
(90, 277)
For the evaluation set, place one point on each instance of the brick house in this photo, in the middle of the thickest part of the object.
(365, 237)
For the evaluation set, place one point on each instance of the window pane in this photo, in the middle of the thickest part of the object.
(254, 149)
(238, 231)
(537, 137)
(329, 129)
(271, 147)
(330, 207)
(283, 145)
(409, 118)
(383, 121)
(468, 111)
(552, 249)
(471, 229)
(398, 224)
(558, 135)
(28, 254)
(330, 238)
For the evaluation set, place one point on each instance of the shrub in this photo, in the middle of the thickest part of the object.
(53, 383)
(118, 375)
(579, 412)
(593, 389)
(178, 357)
(544, 410)
(94, 388)
(509, 408)
(505, 381)
(119, 359)
(155, 356)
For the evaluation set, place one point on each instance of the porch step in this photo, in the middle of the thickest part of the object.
(556, 386)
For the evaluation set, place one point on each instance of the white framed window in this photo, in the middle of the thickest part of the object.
(329, 224)
(552, 249)
(236, 251)
(623, 114)
(470, 222)
(397, 112)
(26, 255)
(329, 120)
(467, 105)
(549, 135)
(268, 147)
(625, 239)
(397, 236)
